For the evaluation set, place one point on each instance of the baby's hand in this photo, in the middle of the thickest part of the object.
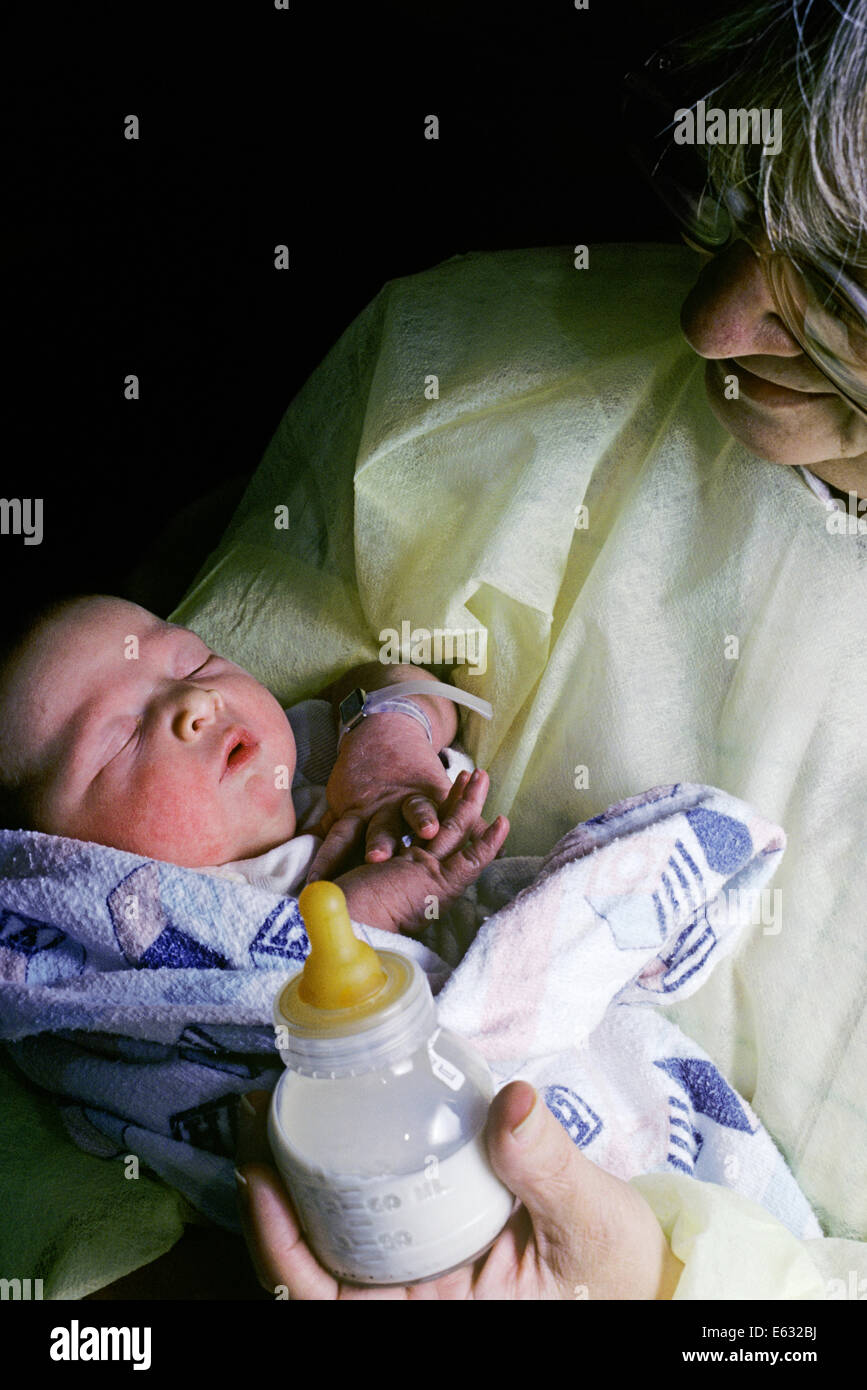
(394, 895)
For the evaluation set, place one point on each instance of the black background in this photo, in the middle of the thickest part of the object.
(261, 127)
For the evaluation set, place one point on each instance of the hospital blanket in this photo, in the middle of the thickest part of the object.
(140, 994)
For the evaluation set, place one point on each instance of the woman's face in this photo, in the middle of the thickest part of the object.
(785, 410)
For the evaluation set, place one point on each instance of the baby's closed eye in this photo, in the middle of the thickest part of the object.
(120, 735)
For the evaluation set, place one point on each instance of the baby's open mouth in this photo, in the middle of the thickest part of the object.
(239, 747)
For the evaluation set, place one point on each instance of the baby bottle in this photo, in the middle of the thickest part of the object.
(377, 1123)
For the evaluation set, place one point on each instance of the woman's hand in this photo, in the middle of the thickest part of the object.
(387, 781)
(578, 1233)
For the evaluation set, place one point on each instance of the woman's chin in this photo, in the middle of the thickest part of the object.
(799, 434)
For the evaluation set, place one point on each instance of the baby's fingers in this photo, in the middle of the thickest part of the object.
(464, 866)
(460, 813)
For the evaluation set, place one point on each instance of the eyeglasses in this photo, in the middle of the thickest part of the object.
(822, 307)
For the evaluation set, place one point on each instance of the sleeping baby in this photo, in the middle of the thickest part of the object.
(122, 729)
(119, 729)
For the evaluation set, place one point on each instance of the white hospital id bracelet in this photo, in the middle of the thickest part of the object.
(392, 699)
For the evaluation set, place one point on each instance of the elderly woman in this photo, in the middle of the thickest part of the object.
(522, 444)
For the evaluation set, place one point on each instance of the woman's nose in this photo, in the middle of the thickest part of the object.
(731, 312)
(194, 711)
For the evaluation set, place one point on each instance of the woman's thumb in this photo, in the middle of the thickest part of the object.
(587, 1224)
(533, 1155)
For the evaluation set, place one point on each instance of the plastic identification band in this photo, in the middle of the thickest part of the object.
(401, 705)
(392, 700)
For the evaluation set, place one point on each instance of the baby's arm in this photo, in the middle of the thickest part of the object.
(393, 895)
(387, 777)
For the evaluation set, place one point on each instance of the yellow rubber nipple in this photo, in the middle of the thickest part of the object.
(340, 970)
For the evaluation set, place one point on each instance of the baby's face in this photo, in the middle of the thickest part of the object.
(173, 753)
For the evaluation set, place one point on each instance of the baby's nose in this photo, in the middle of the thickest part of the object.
(195, 710)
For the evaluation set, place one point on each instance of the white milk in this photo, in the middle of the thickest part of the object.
(403, 1228)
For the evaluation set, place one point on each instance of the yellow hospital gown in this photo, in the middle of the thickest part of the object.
(507, 442)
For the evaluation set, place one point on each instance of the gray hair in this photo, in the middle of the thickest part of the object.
(807, 58)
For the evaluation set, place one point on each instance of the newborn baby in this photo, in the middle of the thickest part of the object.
(122, 729)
